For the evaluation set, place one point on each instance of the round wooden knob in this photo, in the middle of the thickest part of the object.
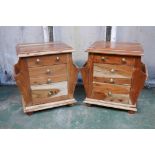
(48, 71)
(57, 58)
(109, 93)
(123, 60)
(103, 58)
(112, 70)
(49, 80)
(38, 60)
(112, 80)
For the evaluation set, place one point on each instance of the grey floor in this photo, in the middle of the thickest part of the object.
(78, 116)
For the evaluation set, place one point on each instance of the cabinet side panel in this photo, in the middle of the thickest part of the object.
(22, 80)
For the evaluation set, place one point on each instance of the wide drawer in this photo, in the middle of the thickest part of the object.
(114, 59)
(114, 72)
(46, 60)
(111, 92)
(49, 91)
(46, 71)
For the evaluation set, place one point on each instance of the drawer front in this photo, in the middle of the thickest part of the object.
(46, 71)
(49, 91)
(112, 71)
(48, 79)
(111, 92)
(47, 60)
(111, 59)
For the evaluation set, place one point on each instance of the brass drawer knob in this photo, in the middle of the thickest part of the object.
(112, 70)
(48, 71)
(57, 58)
(123, 60)
(38, 60)
(112, 80)
(109, 93)
(103, 58)
(49, 93)
(49, 80)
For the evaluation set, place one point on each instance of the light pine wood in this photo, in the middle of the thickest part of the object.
(112, 71)
(46, 71)
(47, 60)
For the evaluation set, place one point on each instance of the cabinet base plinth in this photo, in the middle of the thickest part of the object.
(128, 107)
(39, 107)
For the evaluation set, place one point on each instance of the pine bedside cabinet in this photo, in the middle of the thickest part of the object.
(45, 75)
(114, 75)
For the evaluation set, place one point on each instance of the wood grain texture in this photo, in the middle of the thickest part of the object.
(47, 60)
(49, 90)
(35, 49)
(72, 75)
(112, 71)
(21, 76)
(114, 59)
(116, 48)
(46, 71)
(110, 104)
(113, 88)
(45, 80)
(119, 81)
(48, 105)
(139, 77)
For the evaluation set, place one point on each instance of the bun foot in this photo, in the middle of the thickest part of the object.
(131, 112)
(29, 113)
(89, 105)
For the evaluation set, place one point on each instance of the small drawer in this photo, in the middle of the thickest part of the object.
(119, 81)
(46, 71)
(111, 92)
(48, 79)
(116, 59)
(112, 71)
(47, 60)
(49, 91)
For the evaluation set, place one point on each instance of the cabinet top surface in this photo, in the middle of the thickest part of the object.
(35, 49)
(119, 48)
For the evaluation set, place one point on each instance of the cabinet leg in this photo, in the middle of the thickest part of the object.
(131, 112)
(70, 105)
(89, 105)
(29, 113)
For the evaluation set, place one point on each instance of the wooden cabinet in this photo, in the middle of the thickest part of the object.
(45, 75)
(114, 75)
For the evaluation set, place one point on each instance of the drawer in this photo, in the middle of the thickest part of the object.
(47, 60)
(110, 88)
(112, 71)
(114, 59)
(49, 91)
(48, 71)
(111, 92)
(48, 79)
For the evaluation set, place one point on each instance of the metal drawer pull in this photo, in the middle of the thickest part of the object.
(109, 93)
(112, 80)
(38, 60)
(48, 71)
(49, 80)
(123, 60)
(57, 58)
(49, 93)
(112, 70)
(103, 58)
